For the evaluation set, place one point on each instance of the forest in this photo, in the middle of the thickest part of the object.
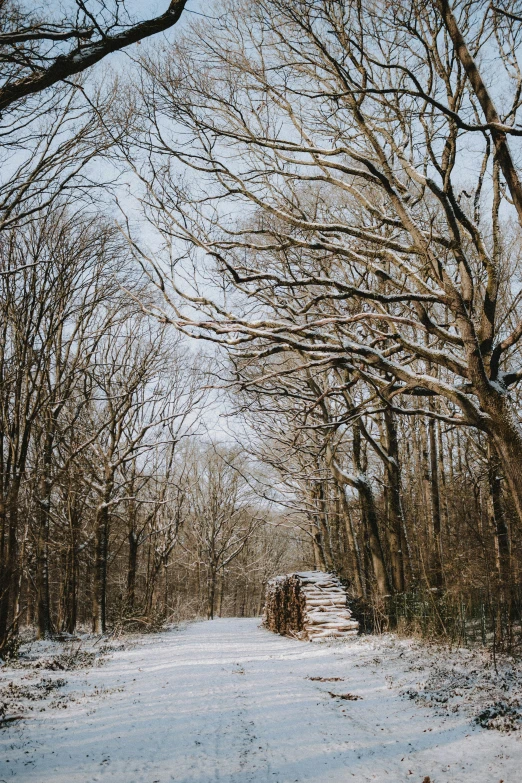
(261, 310)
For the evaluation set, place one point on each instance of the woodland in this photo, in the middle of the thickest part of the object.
(261, 310)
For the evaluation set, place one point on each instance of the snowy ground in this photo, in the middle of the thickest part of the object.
(228, 701)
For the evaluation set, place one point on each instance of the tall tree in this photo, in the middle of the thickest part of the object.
(346, 169)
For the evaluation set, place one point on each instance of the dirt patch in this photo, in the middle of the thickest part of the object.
(325, 679)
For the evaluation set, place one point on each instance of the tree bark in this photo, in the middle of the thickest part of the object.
(360, 482)
(498, 518)
(358, 575)
(317, 544)
(10, 559)
(70, 597)
(44, 510)
(99, 593)
(437, 568)
(211, 593)
(399, 549)
(322, 524)
(506, 436)
(369, 515)
(131, 568)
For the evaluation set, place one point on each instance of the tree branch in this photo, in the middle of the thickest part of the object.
(80, 59)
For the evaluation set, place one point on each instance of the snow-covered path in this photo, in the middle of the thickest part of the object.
(227, 701)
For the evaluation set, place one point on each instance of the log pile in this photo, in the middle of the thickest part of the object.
(309, 605)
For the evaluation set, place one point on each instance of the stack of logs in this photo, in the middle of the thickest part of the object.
(309, 605)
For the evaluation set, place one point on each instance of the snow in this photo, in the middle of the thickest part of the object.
(229, 701)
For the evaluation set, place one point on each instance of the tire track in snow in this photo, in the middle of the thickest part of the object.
(226, 701)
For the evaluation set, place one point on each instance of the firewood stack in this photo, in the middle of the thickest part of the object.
(309, 605)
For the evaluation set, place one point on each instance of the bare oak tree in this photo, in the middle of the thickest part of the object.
(350, 192)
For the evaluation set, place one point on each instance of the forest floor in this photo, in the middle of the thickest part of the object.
(228, 701)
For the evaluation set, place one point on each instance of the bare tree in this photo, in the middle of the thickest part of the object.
(63, 271)
(359, 241)
(132, 399)
(85, 299)
(222, 516)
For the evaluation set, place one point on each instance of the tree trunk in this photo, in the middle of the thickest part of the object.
(44, 511)
(73, 564)
(324, 540)
(221, 594)
(317, 541)
(498, 518)
(4, 554)
(165, 588)
(426, 491)
(70, 597)
(399, 548)
(17, 609)
(437, 572)
(507, 439)
(131, 568)
(42, 578)
(10, 560)
(338, 537)
(358, 575)
(211, 594)
(99, 593)
(369, 515)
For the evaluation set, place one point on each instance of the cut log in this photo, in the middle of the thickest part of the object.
(308, 605)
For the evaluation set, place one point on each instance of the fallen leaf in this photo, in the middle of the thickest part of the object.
(346, 696)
